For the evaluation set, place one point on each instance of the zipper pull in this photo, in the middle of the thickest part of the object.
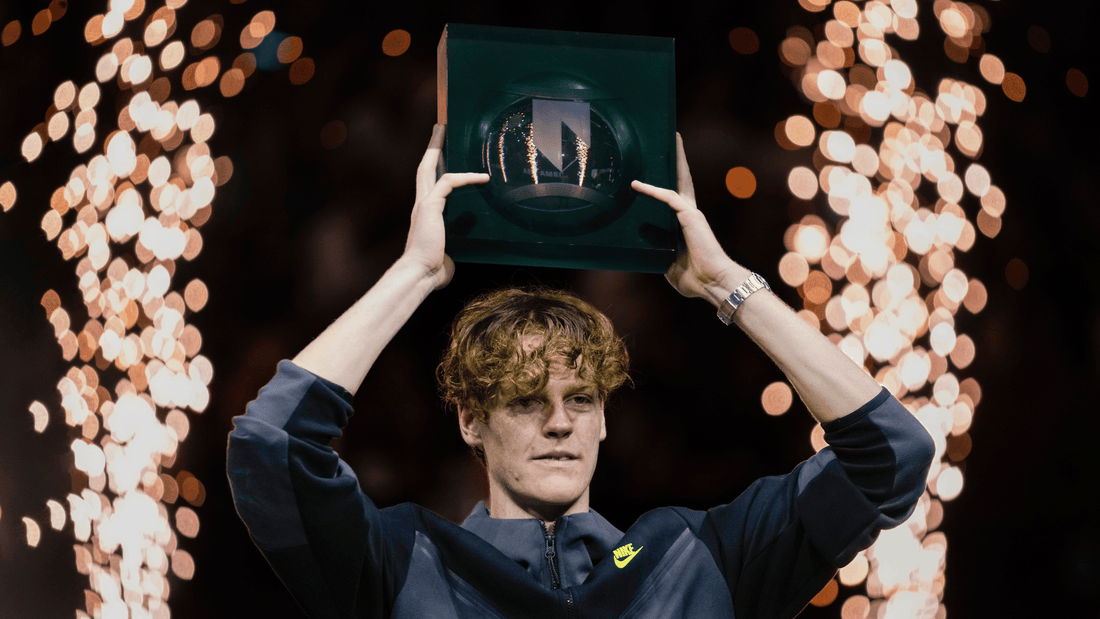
(551, 558)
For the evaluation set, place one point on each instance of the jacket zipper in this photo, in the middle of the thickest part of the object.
(551, 556)
(552, 562)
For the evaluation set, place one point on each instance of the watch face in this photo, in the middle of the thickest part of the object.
(555, 166)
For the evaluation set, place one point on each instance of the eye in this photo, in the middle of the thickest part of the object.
(525, 404)
(582, 399)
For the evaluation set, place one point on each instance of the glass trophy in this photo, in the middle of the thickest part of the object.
(562, 122)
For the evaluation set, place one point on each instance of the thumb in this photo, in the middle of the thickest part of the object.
(446, 273)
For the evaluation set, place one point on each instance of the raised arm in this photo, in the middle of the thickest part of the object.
(302, 504)
(830, 383)
(785, 536)
(347, 349)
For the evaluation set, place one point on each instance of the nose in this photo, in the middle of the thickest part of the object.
(559, 424)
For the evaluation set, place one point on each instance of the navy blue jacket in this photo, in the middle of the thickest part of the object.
(766, 554)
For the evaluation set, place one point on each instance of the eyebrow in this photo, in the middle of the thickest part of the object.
(570, 388)
(582, 386)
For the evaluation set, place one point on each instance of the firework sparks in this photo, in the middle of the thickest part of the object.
(127, 215)
(882, 283)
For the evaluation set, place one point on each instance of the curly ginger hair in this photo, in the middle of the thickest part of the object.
(504, 342)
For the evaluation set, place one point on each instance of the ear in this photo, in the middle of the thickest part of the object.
(470, 427)
(603, 424)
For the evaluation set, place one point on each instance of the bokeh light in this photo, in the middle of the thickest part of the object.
(41, 416)
(125, 217)
(1016, 272)
(396, 42)
(993, 70)
(7, 195)
(856, 607)
(206, 33)
(11, 32)
(1077, 82)
(232, 81)
(172, 55)
(301, 71)
(896, 166)
(827, 595)
(289, 50)
(800, 131)
(34, 532)
(1014, 86)
(776, 398)
(1038, 38)
(802, 182)
(744, 41)
(741, 182)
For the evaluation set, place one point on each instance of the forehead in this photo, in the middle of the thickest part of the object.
(556, 377)
(539, 364)
(561, 376)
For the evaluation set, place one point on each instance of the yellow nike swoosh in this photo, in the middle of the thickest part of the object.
(621, 563)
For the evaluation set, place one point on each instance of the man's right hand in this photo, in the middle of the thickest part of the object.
(347, 349)
(427, 237)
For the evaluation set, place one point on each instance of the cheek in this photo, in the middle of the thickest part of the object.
(507, 443)
(595, 429)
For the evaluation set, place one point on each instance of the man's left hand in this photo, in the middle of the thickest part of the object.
(702, 269)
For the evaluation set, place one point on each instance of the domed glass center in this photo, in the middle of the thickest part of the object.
(552, 155)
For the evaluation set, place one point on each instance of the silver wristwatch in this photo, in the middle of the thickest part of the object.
(737, 297)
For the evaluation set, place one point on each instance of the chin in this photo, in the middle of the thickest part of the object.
(552, 495)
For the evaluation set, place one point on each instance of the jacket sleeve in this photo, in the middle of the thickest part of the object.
(301, 503)
(784, 537)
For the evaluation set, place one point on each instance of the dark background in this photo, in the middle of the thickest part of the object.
(301, 230)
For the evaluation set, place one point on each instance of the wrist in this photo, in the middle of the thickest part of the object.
(416, 274)
(729, 307)
(720, 288)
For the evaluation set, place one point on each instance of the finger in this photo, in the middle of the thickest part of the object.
(425, 173)
(683, 173)
(451, 181)
(667, 196)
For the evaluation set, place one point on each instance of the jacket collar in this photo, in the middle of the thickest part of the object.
(580, 542)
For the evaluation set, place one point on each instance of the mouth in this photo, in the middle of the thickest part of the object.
(556, 457)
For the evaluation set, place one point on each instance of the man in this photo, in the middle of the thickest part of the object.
(528, 373)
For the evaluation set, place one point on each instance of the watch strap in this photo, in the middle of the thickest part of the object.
(727, 308)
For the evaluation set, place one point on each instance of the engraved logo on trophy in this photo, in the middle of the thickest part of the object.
(555, 166)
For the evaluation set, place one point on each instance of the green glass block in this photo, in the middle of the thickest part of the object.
(562, 122)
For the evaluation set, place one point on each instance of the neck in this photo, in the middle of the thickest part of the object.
(505, 507)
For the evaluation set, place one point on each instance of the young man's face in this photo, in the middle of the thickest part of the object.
(541, 448)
